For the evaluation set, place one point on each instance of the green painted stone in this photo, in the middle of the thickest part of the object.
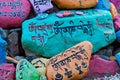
(53, 35)
(26, 71)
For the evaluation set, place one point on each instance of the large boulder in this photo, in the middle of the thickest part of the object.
(71, 64)
(52, 35)
(13, 12)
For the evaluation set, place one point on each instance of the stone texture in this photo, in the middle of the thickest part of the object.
(71, 64)
(103, 4)
(4, 33)
(52, 35)
(40, 6)
(113, 10)
(118, 36)
(14, 46)
(100, 67)
(3, 52)
(116, 21)
(30, 53)
(13, 12)
(107, 51)
(112, 58)
(70, 4)
(26, 71)
(7, 71)
(117, 56)
(117, 4)
(40, 65)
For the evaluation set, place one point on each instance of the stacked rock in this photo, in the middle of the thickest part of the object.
(57, 39)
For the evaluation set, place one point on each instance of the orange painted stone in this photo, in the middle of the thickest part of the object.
(112, 58)
(113, 10)
(74, 4)
(71, 64)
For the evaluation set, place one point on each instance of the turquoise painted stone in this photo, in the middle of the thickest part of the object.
(53, 35)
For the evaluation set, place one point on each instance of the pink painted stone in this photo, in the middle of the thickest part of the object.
(116, 3)
(41, 5)
(100, 67)
(7, 71)
(13, 12)
(116, 21)
(59, 15)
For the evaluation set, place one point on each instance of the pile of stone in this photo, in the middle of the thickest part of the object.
(59, 39)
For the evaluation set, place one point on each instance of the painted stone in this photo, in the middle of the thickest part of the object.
(112, 58)
(26, 71)
(72, 64)
(7, 71)
(40, 65)
(100, 67)
(41, 5)
(29, 52)
(42, 36)
(117, 56)
(75, 4)
(13, 12)
(118, 35)
(113, 10)
(3, 52)
(117, 4)
(11, 60)
(103, 4)
(116, 21)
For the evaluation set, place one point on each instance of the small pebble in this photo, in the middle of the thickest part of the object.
(42, 16)
(59, 15)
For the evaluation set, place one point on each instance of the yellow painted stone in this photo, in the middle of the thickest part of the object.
(75, 4)
(113, 10)
(71, 64)
(40, 65)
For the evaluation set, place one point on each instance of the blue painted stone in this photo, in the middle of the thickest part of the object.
(118, 57)
(3, 53)
(103, 4)
(52, 35)
(42, 16)
(118, 35)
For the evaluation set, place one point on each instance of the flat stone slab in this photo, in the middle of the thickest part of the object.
(71, 64)
(52, 35)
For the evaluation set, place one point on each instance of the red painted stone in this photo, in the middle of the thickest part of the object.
(67, 13)
(100, 67)
(13, 12)
(7, 71)
(117, 22)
